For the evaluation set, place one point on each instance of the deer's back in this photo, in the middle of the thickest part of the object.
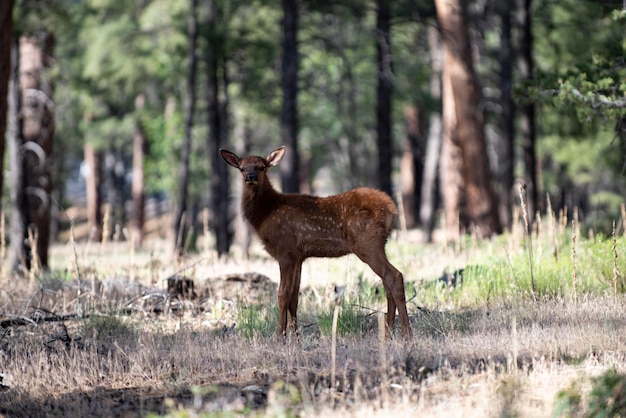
(309, 226)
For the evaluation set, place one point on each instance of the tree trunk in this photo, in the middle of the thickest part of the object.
(138, 180)
(430, 191)
(412, 167)
(243, 232)
(225, 214)
(290, 167)
(6, 28)
(348, 143)
(450, 164)
(180, 229)
(527, 114)
(507, 150)
(116, 193)
(216, 140)
(354, 147)
(93, 160)
(37, 136)
(20, 252)
(383, 95)
(480, 209)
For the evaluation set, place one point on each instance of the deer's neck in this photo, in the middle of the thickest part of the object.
(258, 203)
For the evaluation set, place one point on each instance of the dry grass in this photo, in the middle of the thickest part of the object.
(505, 357)
(469, 371)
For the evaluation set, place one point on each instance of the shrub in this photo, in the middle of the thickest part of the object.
(606, 399)
(106, 327)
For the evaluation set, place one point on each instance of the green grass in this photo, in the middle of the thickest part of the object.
(505, 274)
(257, 320)
(105, 327)
(607, 397)
(352, 319)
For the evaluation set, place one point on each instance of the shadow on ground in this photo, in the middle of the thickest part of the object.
(132, 402)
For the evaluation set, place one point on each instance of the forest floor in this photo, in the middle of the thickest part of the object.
(116, 343)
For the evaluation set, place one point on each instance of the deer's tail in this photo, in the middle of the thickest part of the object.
(391, 216)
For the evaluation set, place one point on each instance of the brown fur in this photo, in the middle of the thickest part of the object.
(294, 227)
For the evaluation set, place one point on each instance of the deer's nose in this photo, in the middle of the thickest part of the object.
(252, 177)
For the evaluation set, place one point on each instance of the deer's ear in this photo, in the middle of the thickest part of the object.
(275, 156)
(230, 158)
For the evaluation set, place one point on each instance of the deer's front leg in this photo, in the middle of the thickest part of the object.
(293, 299)
(287, 276)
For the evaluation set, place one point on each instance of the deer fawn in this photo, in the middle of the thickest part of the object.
(294, 227)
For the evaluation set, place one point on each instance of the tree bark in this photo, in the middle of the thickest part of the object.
(480, 210)
(450, 164)
(507, 149)
(19, 255)
(384, 91)
(6, 29)
(180, 230)
(412, 167)
(290, 167)
(36, 54)
(93, 160)
(216, 140)
(138, 185)
(430, 191)
(527, 111)
(116, 192)
(242, 230)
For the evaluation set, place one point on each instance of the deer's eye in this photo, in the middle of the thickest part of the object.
(262, 168)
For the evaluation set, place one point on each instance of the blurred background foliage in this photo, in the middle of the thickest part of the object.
(109, 53)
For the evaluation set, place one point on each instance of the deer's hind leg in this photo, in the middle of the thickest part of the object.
(393, 281)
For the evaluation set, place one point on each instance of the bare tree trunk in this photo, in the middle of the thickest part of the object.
(20, 252)
(243, 233)
(507, 149)
(6, 29)
(412, 166)
(289, 125)
(430, 191)
(383, 95)
(481, 205)
(215, 140)
(37, 134)
(180, 229)
(116, 193)
(527, 114)
(348, 143)
(93, 160)
(450, 160)
(353, 144)
(225, 215)
(138, 181)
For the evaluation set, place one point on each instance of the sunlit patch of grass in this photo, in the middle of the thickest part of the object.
(257, 320)
(597, 267)
(352, 319)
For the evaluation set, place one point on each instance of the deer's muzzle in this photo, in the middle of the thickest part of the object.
(252, 178)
